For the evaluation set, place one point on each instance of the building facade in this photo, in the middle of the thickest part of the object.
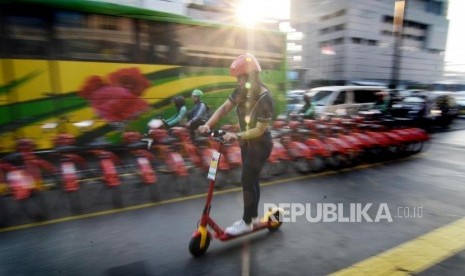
(354, 40)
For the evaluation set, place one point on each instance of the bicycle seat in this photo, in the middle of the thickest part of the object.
(169, 140)
(303, 131)
(13, 157)
(99, 144)
(66, 148)
(375, 127)
(137, 145)
(201, 139)
(321, 128)
(336, 129)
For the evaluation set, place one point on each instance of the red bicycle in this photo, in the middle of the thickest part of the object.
(108, 161)
(167, 148)
(70, 162)
(144, 159)
(24, 174)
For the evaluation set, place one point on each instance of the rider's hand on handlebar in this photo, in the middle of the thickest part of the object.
(230, 137)
(203, 129)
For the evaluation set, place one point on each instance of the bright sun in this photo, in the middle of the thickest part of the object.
(250, 12)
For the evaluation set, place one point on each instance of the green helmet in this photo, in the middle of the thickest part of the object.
(197, 92)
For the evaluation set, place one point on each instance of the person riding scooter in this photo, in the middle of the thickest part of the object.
(254, 107)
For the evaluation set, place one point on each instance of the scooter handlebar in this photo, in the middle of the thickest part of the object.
(217, 135)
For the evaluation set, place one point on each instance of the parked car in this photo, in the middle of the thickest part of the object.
(294, 100)
(344, 100)
(408, 92)
(427, 109)
(460, 99)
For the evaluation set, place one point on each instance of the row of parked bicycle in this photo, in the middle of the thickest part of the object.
(305, 145)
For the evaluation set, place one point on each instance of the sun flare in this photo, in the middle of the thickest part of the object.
(250, 13)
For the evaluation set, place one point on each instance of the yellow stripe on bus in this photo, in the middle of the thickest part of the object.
(169, 89)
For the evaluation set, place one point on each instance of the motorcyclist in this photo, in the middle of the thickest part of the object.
(181, 109)
(199, 113)
(308, 110)
(382, 102)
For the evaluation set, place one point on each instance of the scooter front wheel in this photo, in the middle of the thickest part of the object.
(275, 220)
(195, 247)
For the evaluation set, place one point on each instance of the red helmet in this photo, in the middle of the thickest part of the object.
(244, 65)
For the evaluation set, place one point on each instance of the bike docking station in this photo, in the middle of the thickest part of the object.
(201, 237)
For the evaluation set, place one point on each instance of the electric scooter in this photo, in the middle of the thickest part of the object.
(201, 237)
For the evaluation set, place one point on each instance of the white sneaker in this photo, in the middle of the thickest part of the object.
(239, 227)
(237, 222)
(255, 221)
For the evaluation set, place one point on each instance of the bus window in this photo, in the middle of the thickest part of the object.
(159, 43)
(204, 46)
(26, 36)
(94, 36)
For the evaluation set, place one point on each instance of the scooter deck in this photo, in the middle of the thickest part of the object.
(257, 227)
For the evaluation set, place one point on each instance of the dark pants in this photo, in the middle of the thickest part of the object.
(194, 126)
(254, 155)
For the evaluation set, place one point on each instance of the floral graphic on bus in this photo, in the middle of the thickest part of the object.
(118, 97)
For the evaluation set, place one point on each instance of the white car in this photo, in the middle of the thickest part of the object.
(344, 100)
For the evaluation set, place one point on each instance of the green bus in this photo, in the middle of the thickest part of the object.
(70, 61)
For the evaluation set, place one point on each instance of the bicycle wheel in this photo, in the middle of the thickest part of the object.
(117, 196)
(4, 212)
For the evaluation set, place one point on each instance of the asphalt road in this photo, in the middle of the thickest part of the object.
(423, 193)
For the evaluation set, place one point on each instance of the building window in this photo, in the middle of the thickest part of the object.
(324, 31)
(385, 32)
(331, 29)
(338, 41)
(333, 15)
(339, 27)
(369, 42)
(388, 19)
(435, 7)
(356, 40)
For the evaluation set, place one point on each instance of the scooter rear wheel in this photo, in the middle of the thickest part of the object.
(194, 245)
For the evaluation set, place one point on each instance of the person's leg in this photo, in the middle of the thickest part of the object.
(194, 126)
(254, 158)
(263, 156)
